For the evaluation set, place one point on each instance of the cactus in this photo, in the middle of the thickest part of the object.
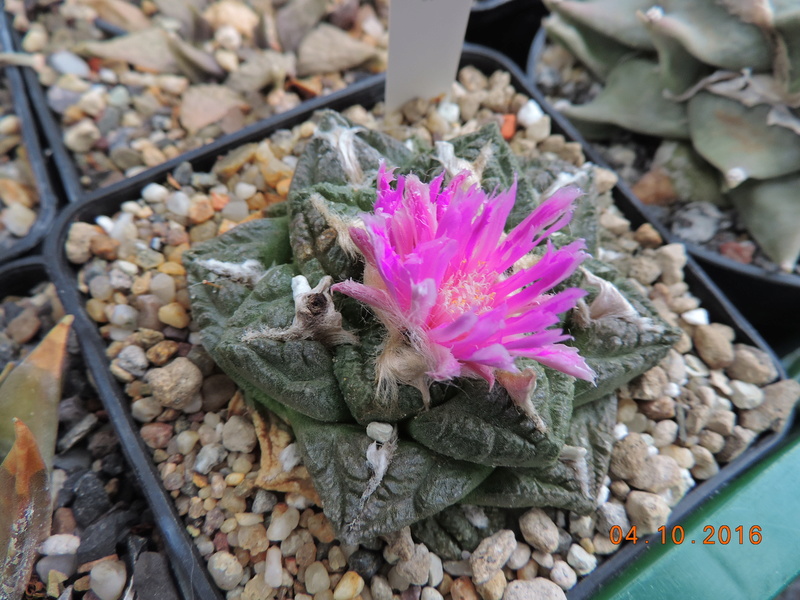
(723, 76)
(459, 431)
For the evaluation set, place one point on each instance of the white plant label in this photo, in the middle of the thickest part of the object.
(425, 41)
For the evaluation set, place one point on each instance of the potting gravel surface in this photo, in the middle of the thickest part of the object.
(19, 198)
(188, 73)
(102, 536)
(702, 406)
(706, 222)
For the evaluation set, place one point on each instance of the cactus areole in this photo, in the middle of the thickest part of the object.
(435, 332)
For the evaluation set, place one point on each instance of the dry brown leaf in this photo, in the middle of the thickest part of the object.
(273, 440)
(147, 49)
(203, 105)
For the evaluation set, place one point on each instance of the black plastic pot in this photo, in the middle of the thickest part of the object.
(768, 299)
(507, 26)
(366, 93)
(46, 210)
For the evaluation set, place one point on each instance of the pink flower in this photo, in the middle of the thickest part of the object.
(459, 297)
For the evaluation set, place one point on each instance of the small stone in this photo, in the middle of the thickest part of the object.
(658, 473)
(711, 440)
(176, 384)
(415, 568)
(160, 353)
(174, 314)
(736, 443)
(722, 421)
(779, 399)
(380, 432)
(18, 219)
(380, 588)
(628, 456)
(208, 457)
(146, 409)
(366, 563)
(659, 409)
(539, 530)
(133, 360)
(535, 589)
(60, 544)
(79, 239)
(491, 555)
(317, 578)
(336, 559)
(82, 136)
(239, 435)
(107, 579)
(664, 433)
(563, 575)
(463, 589)
(66, 564)
(284, 520)
(273, 571)
(650, 385)
(745, 395)
(713, 346)
(435, 570)
(493, 588)
(647, 511)
(225, 569)
(580, 560)
(349, 586)
(430, 593)
(705, 466)
(751, 365)
(519, 557)
(24, 326)
(611, 514)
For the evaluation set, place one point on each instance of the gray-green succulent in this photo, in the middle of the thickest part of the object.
(377, 463)
(722, 76)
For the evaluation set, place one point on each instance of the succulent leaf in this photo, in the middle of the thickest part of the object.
(644, 110)
(599, 53)
(737, 140)
(615, 19)
(771, 212)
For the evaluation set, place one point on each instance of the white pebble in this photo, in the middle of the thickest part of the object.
(107, 579)
(620, 431)
(155, 192)
(697, 316)
(435, 570)
(244, 191)
(449, 111)
(62, 543)
(273, 571)
(283, 523)
(106, 223)
(380, 432)
(529, 114)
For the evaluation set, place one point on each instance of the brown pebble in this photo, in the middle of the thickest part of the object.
(156, 435)
(659, 409)
(655, 187)
(463, 589)
(24, 326)
(162, 352)
(648, 237)
(104, 247)
(713, 346)
(63, 521)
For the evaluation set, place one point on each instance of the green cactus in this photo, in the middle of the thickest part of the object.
(472, 445)
(723, 75)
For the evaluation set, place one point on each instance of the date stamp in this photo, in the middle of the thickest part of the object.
(722, 535)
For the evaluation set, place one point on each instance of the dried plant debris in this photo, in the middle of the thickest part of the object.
(236, 475)
(183, 74)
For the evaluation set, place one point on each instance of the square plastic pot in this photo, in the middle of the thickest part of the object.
(187, 562)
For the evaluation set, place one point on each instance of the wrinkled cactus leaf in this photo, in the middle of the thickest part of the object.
(354, 366)
(595, 51)
(771, 211)
(24, 511)
(215, 296)
(709, 33)
(461, 528)
(678, 68)
(298, 372)
(418, 483)
(32, 390)
(556, 486)
(615, 19)
(632, 99)
(737, 140)
(485, 427)
(619, 349)
(592, 428)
